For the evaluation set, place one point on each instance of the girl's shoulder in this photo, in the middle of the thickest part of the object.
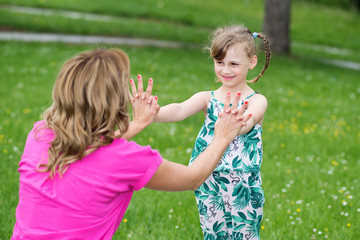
(256, 97)
(203, 96)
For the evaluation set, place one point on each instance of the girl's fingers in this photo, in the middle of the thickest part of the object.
(149, 87)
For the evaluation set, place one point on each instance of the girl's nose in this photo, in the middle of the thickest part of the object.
(226, 70)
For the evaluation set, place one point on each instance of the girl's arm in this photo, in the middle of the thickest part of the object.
(172, 176)
(175, 112)
(257, 108)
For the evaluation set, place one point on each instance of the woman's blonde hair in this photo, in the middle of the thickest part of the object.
(225, 37)
(90, 100)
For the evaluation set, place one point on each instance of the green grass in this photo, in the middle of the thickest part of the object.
(311, 130)
(188, 21)
(311, 138)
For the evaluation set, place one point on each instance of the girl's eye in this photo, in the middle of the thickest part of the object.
(235, 64)
(219, 62)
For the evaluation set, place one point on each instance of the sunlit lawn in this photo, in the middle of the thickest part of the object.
(311, 140)
(311, 130)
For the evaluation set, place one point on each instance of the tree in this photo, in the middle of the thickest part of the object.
(277, 24)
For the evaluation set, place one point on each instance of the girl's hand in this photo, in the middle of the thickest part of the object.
(145, 106)
(231, 120)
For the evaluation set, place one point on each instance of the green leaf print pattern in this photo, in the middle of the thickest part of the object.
(253, 222)
(231, 200)
(242, 193)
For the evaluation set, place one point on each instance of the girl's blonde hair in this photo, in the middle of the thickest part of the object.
(225, 37)
(90, 100)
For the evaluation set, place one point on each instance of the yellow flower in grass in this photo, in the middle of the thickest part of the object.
(298, 210)
(335, 163)
(349, 224)
(26, 110)
(125, 220)
(262, 227)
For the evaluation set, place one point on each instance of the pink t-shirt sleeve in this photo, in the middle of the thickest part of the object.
(132, 167)
(153, 165)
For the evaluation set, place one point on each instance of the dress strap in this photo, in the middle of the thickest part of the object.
(212, 94)
(251, 95)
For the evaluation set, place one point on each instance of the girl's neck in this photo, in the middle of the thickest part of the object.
(244, 89)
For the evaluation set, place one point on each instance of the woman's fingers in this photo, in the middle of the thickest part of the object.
(139, 91)
(140, 85)
(236, 100)
(133, 88)
(227, 102)
(245, 119)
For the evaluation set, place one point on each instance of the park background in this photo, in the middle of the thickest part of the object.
(311, 131)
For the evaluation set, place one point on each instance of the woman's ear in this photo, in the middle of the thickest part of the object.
(253, 62)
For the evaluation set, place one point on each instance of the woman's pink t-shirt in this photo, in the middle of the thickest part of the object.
(89, 200)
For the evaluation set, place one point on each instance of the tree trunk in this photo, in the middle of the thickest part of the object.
(277, 24)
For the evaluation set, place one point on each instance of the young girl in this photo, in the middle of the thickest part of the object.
(231, 200)
(78, 170)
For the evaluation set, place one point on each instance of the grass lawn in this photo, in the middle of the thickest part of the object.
(311, 130)
(311, 138)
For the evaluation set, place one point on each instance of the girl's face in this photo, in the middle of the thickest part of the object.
(233, 69)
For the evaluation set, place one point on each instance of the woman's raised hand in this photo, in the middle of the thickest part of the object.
(232, 119)
(145, 106)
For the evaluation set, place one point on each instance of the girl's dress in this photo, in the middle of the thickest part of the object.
(231, 200)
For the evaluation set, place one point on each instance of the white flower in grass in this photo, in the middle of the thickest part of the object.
(314, 230)
(322, 191)
(358, 210)
(176, 226)
(329, 206)
(346, 214)
(344, 203)
(283, 190)
(319, 232)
